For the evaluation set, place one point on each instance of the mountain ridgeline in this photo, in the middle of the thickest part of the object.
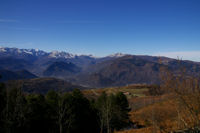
(86, 70)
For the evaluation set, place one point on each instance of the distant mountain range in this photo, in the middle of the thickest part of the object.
(87, 70)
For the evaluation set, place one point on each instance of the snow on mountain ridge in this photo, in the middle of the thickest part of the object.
(57, 54)
(36, 52)
(52, 54)
(2, 49)
(117, 55)
(21, 51)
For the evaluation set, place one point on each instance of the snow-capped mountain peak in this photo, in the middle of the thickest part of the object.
(116, 55)
(17, 51)
(35, 52)
(2, 49)
(57, 54)
(54, 54)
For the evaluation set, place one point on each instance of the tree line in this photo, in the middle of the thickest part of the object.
(54, 112)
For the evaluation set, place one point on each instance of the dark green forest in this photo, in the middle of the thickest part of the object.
(54, 112)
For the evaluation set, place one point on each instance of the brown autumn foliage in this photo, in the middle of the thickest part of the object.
(141, 102)
(186, 89)
(161, 116)
(177, 111)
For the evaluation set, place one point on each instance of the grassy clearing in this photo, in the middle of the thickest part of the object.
(129, 92)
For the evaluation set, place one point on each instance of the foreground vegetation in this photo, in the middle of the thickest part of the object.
(64, 113)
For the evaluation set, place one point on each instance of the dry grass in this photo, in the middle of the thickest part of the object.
(129, 91)
(161, 115)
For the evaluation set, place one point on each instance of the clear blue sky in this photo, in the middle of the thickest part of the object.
(102, 27)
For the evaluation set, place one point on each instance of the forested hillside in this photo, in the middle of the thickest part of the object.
(61, 112)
